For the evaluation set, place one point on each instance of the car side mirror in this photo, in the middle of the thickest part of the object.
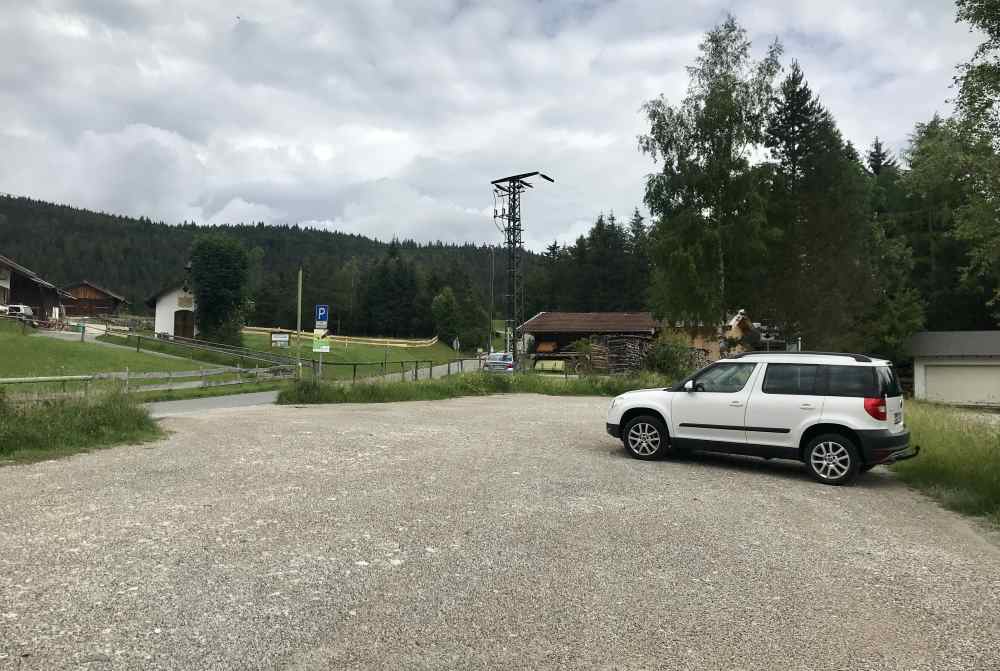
(689, 385)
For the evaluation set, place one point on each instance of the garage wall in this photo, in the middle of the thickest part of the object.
(966, 381)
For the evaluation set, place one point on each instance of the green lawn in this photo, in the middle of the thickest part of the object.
(370, 355)
(202, 357)
(36, 355)
(959, 462)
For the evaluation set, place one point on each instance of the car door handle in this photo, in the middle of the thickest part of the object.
(736, 404)
(807, 406)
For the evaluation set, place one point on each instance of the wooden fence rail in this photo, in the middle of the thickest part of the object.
(174, 379)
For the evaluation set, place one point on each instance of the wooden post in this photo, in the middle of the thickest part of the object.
(126, 380)
(138, 342)
(449, 366)
(354, 373)
(83, 331)
(430, 370)
(402, 371)
(416, 371)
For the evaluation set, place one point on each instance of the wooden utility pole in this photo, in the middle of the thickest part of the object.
(298, 324)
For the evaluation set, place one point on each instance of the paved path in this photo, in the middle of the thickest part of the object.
(162, 409)
(171, 408)
(501, 533)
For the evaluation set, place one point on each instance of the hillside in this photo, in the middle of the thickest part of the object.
(137, 257)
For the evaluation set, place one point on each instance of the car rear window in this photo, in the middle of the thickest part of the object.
(856, 381)
(888, 382)
(790, 378)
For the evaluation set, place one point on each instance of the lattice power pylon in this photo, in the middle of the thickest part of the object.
(507, 216)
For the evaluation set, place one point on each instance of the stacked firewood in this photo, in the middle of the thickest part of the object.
(599, 356)
(627, 353)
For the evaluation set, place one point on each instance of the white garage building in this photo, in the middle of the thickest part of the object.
(175, 308)
(960, 367)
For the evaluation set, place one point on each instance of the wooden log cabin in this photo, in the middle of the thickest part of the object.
(93, 300)
(21, 286)
(620, 340)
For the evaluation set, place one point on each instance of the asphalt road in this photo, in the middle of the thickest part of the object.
(503, 533)
(161, 409)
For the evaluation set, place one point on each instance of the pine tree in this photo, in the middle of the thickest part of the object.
(879, 159)
(818, 214)
(796, 126)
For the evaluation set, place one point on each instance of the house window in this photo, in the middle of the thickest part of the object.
(3, 295)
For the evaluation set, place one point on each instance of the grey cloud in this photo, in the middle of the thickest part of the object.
(386, 117)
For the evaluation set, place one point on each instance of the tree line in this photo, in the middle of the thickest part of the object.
(757, 202)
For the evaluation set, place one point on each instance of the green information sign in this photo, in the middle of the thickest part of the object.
(320, 344)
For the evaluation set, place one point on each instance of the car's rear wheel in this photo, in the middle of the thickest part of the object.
(832, 459)
(646, 438)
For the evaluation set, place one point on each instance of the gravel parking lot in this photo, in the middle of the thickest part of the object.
(504, 532)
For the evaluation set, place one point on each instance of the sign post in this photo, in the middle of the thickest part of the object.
(322, 317)
(320, 345)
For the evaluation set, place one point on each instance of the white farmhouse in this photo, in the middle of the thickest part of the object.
(175, 308)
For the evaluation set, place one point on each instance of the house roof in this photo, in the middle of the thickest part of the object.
(590, 322)
(955, 343)
(151, 301)
(95, 286)
(21, 270)
(32, 276)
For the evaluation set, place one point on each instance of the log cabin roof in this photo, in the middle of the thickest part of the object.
(97, 287)
(590, 322)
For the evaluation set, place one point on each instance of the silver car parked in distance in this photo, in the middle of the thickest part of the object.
(499, 362)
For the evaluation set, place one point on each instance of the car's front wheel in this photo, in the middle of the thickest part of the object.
(645, 437)
(832, 459)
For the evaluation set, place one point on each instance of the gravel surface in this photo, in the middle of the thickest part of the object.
(504, 532)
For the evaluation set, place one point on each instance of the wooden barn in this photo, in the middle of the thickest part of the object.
(619, 340)
(93, 300)
(21, 286)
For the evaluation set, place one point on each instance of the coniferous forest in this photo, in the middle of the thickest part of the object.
(756, 201)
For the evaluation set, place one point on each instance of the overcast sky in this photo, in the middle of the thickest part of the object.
(390, 118)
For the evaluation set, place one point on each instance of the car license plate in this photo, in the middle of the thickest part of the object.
(897, 418)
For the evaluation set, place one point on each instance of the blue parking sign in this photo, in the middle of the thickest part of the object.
(322, 313)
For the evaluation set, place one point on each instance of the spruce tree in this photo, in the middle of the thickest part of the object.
(879, 159)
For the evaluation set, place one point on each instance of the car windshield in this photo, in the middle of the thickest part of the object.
(724, 378)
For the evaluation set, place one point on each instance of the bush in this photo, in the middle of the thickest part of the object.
(670, 355)
(43, 430)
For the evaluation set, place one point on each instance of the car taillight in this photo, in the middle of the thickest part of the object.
(876, 408)
(510, 366)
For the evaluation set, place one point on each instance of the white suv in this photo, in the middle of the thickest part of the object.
(841, 414)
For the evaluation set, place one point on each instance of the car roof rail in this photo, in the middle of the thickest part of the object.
(857, 357)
